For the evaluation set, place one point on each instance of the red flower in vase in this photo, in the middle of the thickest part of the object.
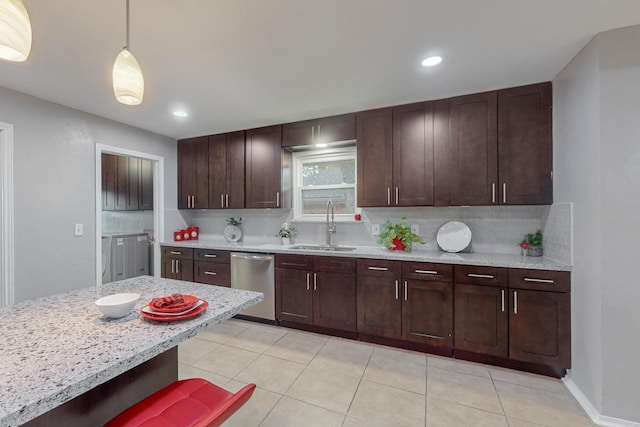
(397, 245)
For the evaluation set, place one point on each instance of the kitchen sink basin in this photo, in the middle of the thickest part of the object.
(324, 248)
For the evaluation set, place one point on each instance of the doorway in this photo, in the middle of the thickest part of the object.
(157, 163)
(6, 215)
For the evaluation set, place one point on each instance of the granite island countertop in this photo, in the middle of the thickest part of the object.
(55, 348)
(374, 252)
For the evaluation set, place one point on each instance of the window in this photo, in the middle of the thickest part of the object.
(320, 176)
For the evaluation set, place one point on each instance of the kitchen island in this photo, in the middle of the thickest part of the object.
(56, 349)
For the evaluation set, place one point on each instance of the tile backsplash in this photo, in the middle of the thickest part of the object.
(495, 229)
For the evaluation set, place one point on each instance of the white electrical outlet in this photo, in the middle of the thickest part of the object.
(375, 229)
(415, 228)
(78, 231)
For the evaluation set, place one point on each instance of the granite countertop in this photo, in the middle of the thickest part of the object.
(55, 348)
(374, 252)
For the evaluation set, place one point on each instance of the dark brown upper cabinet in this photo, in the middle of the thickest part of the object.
(127, 183)
(375, 168)
(263, 168)
(324, 130)
(226, 170)
(525, 148)
(193, 173)
(474, 149)
(501, 147)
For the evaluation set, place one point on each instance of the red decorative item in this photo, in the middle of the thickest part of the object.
(357, 217)
(185, 234)
(397, 245)
(177, 235)
(194, 232)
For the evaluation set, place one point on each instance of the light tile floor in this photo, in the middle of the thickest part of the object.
(306, 379)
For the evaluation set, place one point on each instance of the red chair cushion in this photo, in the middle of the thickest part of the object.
(193, 402)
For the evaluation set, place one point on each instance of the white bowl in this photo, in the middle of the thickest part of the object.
(117, 305)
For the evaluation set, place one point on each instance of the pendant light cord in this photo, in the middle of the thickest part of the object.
(128, 29)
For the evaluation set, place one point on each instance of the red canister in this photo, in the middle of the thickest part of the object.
(194, 232)
(177, 235)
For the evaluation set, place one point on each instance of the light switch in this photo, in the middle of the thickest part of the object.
(375, 229)
(78, 230)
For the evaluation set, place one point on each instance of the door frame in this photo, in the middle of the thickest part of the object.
(7, 260)
(158, 203)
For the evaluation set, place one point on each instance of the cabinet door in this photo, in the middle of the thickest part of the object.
(168, 268)
(193, 173)
(212, 273)
(122, 183)
(375, 166)
(379, 306)
(235, 170)
(474, 149)
(109, 185)
(118, 259)
(217, 171)
(413, 155)
(294, 296)
(141, 258)
(427, 312)
(525, 148)
(326, 129)
(540, 327)
(481, 319)
(184, 269)
(334, 300)
(263, 167)
(146, 184)
(132, 189)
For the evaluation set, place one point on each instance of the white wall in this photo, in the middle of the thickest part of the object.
(54, 175)
(597, 158)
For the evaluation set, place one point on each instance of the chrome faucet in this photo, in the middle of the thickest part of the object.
(331, 224)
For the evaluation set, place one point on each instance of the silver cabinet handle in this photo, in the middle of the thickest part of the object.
(210, 256)
(431, 272)
(528, 279)
(173, 265)
(388, 196)
(515, 302)
(315, 282)
(481, 276)
(397, 194)
(504, 192)
(318, 131)
(210, 273)
(502, 297)
(277, 199)
(177, 266)
(406, 291)
(175, 253)
(308, 280)
(226, 196)
(313, 133)
(378, 268)
(396, 289)
(493, 192)
(222, 200)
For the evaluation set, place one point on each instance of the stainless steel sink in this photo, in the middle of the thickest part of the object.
(323, 248)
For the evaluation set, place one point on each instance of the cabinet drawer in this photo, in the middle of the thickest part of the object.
(294, 261)
(378, 268)
(427, 271)
(212, 255)
(212, 273)
(486, 276)
(177, 252)
(334, 264)
(542, 280)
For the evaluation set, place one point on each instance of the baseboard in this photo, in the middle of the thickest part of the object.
(592, 412)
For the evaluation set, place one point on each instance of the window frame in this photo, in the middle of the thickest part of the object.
(334, 154)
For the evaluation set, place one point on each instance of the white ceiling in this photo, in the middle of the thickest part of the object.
(238, 64)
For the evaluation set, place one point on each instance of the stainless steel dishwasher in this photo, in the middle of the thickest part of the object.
(254, 272)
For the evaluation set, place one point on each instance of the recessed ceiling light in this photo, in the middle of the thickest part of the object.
(180, 113)
(431, 61)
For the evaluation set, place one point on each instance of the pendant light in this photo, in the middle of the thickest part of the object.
(15, 31)
(128, 82)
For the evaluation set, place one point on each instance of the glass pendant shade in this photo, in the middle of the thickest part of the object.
(128, 82)
(15, 31)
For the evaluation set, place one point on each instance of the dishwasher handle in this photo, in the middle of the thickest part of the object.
(252, 257)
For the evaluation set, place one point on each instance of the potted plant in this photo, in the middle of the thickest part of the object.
(398, 236)
(531, 245)
(286, 233)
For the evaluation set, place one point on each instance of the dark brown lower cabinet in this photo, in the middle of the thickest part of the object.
(379, 306)
(212, 273)
(481, 319)
(316, 290)
(427, 312)
(540, 327)
(179, 269)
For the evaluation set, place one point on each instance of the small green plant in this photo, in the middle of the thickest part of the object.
(398, 236)
(287, 232)
(532, 240)
(233, 221)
